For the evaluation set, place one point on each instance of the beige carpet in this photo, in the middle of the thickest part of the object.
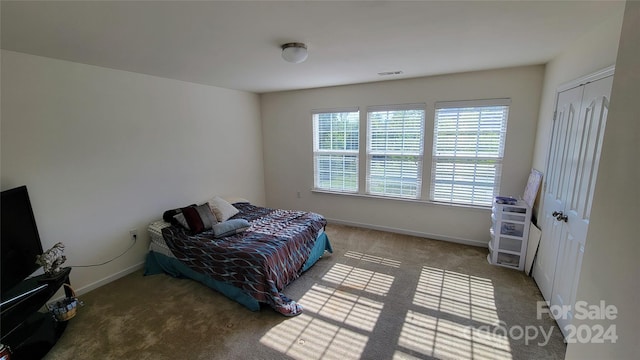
(378, 296)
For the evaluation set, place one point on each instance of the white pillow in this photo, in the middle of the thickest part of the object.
(222, 209)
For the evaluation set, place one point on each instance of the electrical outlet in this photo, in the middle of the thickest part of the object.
(133, 234)
(298, 194)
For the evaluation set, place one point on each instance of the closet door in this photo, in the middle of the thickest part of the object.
(555, 189)
(578, 130)
(584, 151)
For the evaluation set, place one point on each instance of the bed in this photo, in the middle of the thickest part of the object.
(251, 267)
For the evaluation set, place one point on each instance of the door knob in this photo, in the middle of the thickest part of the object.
(559, 216)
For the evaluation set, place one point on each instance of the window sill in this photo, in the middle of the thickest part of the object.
(418, 201)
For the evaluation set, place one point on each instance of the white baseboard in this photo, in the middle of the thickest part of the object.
(411, 232)
(85, 289)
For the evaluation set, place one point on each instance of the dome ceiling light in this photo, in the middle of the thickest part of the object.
(294, 52)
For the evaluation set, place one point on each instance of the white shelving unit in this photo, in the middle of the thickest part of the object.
(509, 234)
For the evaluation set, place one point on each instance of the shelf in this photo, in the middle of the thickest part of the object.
(23, 327)
(509, 235)
(510, 245)
(510, 260)
(517, 221)
(512, 229)
(510, 252)
(512, 209)
(513, 266)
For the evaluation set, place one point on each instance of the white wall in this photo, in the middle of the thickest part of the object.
(610, 265)
(288, 152)
(103, 151)
(593, 51)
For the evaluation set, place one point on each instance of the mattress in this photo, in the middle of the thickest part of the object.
(158, 245)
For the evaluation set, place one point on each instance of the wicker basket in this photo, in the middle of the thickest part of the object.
(65, 309)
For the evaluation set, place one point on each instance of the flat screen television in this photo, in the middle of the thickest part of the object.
(20, 241)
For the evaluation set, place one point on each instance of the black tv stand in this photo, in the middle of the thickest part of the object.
(29, 333)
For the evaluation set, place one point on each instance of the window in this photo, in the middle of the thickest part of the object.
(468, 147)
(335, 150)
(395, 138)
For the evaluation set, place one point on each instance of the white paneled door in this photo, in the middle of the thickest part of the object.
(556, 183)
(578, 129)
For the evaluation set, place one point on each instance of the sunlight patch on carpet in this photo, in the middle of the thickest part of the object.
(338, 316)
(346, 308)
(399, 355)
(372, 259)
(307, 337)
(461, 314)
(470, 297)
(359, 279)
(443, 338)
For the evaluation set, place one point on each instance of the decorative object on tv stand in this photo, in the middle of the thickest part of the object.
(294, 52)
(65, 309)
(51, 259)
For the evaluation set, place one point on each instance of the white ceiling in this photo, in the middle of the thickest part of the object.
(236, 44)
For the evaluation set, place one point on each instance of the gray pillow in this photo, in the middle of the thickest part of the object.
(230, 227)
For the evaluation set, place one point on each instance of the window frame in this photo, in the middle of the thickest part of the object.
(372, 152)
(473, 199)
(318, 152)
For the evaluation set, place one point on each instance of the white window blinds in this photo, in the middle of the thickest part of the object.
(335, 149)
(468, 148)
(395, 138)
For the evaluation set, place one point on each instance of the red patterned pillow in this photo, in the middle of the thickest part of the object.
(199, 218)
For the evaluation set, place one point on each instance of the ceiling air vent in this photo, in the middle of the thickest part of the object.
(388, 73)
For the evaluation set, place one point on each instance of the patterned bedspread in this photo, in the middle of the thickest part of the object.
(262, 260)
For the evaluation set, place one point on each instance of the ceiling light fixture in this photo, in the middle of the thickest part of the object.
(294, 52)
